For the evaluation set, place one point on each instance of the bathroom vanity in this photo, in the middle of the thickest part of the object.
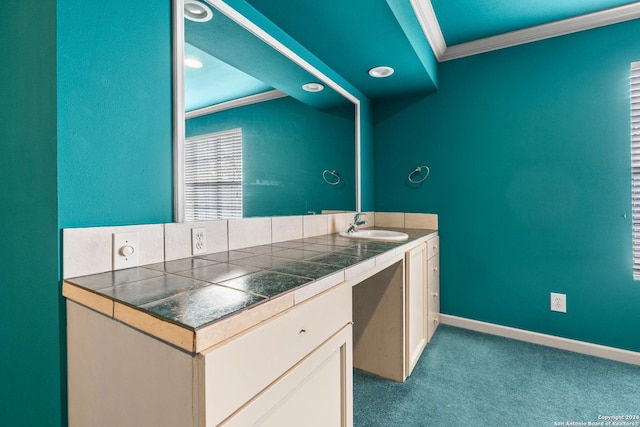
(262, 335)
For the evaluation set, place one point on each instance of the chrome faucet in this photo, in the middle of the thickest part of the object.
(357, 222)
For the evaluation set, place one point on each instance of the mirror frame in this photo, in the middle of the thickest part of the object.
(179, 125)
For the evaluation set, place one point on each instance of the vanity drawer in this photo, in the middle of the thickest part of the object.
(433, 246)
(434, 321)
(433, 293)
(433, 269)
(235, 371)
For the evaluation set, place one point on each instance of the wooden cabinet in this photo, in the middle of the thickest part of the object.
(315, 393)
(294, 367)
(416, 304)
(239, 370)
(433, 285)
(395, 313)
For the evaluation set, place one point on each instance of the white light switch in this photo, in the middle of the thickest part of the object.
(126, 249)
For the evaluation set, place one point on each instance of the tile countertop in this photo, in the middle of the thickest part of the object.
(180, 301)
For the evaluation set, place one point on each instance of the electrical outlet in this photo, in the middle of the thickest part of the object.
(558, 302)
(198, 241)
(125, 250)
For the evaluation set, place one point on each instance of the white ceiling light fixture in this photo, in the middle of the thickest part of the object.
(197, 11)
(381, 72)
(313, 87)
(192, 63)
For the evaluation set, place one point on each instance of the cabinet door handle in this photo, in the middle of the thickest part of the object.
(435, 295)
(302, 331)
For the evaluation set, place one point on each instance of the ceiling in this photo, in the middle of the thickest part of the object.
(355, 35)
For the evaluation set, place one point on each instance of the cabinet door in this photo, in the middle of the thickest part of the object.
(416, 304)
(315, 392)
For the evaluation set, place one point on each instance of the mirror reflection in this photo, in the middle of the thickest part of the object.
(296, 149)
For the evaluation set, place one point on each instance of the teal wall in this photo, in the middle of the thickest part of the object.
(286, 147)
(114, 113)
(530, 174)
(30, 360)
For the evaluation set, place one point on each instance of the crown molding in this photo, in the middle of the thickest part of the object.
(235, 103)
(541, 32)
(430, 26)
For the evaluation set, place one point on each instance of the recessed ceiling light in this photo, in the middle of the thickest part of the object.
(313, 87)
(197, 11)
(192, 63)
(381, 71)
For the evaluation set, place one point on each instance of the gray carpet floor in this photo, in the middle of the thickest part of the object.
(467, 378)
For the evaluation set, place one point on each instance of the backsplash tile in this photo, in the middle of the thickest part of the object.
(422, 221)
(389, 219)
(285, 228)
(249, 232)
(339, 221)
(90, 250)
(315, 225)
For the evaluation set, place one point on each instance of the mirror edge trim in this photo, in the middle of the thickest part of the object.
(179, 102)
(179, 124)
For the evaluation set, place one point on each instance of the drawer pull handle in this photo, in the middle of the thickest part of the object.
(435, 295)
(302, 331)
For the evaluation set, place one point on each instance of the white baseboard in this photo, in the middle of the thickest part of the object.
(602, 351)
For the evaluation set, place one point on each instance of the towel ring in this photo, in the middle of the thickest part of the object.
(334, 173)
(417, 171)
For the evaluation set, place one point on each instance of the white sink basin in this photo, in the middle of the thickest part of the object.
(386, 235)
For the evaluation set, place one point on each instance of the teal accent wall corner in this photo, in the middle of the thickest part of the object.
(530, 175)
(31, 375)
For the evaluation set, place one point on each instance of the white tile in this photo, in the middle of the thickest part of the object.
(389, 219)
(359, 269)
(85, 251)
(421, 221)
(177, 238)
(286, 228)
(338, 222)
(90, 250)
(314, 288)
(387, 257)
(249, 232)
(315, 225)
(370, 217)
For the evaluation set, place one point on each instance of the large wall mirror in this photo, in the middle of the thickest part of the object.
(295, 131)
